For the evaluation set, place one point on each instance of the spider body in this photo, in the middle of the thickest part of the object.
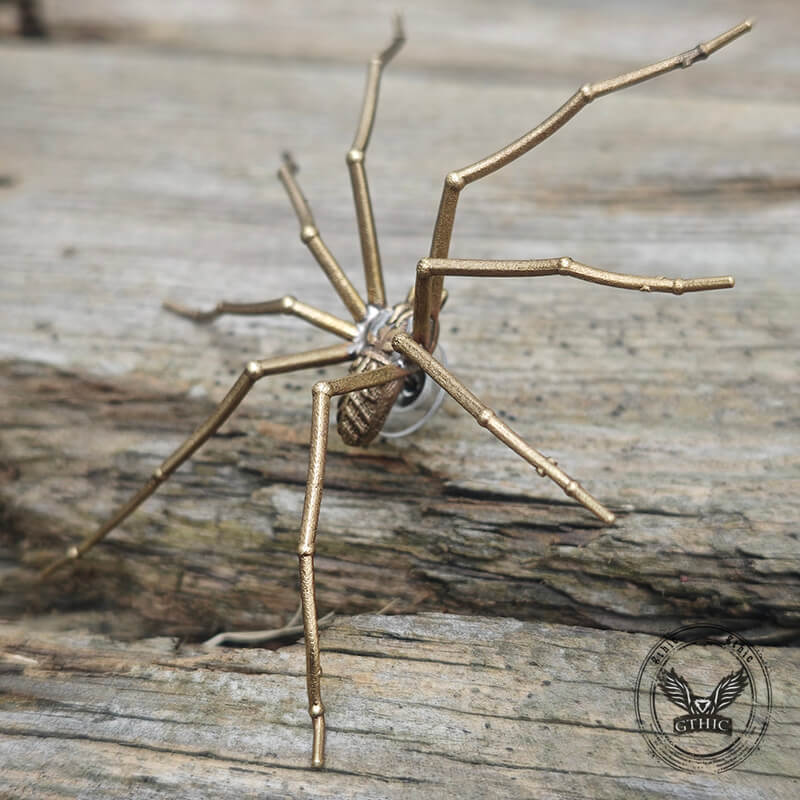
(394, 365)
(362, 414)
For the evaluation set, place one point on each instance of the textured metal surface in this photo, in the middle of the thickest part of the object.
(361, 414)
(428, 302)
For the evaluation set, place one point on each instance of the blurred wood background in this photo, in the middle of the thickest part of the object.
(138, 146)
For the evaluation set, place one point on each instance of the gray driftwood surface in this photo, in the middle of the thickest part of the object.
(420, 706)
(137, 157)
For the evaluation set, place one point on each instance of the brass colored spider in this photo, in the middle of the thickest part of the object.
(390, 347)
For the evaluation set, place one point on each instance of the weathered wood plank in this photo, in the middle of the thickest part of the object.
(483, 42)
(677, 410)
(142, 168)
(417, 706)
(193, 562)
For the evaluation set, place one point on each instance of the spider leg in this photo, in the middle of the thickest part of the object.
(310, 236)
(320, 417)
(486, 418)
(376, 294)
(429, 269)
(457, 180)
(283, 305)
(253, 372)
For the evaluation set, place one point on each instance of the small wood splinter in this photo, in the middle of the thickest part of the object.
(390, 347)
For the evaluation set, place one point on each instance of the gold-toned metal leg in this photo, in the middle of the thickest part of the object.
(320, 417)
(283, 305)
(457, 180)
(310, 236)
(486, 418)
(253, 372)
(376, 294)
(431, 269)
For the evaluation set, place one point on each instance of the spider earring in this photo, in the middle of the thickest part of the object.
(390, 347)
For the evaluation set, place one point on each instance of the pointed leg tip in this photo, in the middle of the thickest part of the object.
(606, 516)
(190, 313)
(288, 160)
(71, 555)
(318, 748)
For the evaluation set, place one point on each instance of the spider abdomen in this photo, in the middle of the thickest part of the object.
(361, 414)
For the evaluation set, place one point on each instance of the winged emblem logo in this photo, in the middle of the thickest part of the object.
(702, 711)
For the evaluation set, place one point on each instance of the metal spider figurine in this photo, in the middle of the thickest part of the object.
(390, 347)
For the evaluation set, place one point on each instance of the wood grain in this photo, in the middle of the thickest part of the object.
(139, 150)
(419, 705)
